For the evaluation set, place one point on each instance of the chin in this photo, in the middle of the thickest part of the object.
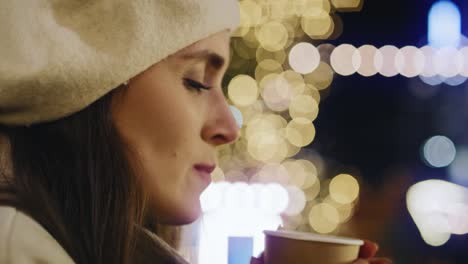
(187, 214)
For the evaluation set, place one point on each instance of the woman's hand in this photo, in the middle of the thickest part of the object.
(366, 255)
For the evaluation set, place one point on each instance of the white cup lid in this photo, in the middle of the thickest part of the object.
(314, 237)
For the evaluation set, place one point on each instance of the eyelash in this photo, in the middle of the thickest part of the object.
(195, 85)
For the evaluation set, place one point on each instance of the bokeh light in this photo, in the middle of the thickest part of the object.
(297, 200)
(266, 67)
(433, 81)
(324, 218)
(347, 4)
(436, 207)
(410, 61)
(274, 198)
(458, 170)
(448, 62)
(456, 80)
(388, 65)
(304, 58)
(272, 172)
(345, 59)
(371, 60)
(243, 90)
(300, 132)
(322, 77)
(429, 69)
(272, 35)
(464, 54)
(317, 23)
(344, 188)
(439, 151)
(444, 25)
(278, 56)
(304, 106)
(276, 92)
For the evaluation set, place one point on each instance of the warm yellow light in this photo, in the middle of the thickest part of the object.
(292, 222)
(296, 172)
(345, 59)
(278, 9)
(324, 218)
(304, 58)
(292, 150)
(388, 66)
(217, 175)
(266, 146)
(311, 174)
(322, 77)
(311, 7)
(250, 111)
(410, 61)
(260, 124)
(371, 60)
(272, 36)
(273, 172)
(250, 38)
(267, 67)
(251, 13)
(303, 106)
(244, 51)
(318, 25)
(277, 56)
(243, 90)
(349, 5)
(276, 93)
(276, 120)
(311, 90)
(312, 192)
(344, 188)
(345, 211)
(429, 69)
(300, 132)
(244, 25)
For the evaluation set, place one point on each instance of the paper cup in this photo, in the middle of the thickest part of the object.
(292, 247)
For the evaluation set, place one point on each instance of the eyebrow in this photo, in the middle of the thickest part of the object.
(215, 60)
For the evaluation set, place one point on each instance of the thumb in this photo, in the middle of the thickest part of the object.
(255, 261)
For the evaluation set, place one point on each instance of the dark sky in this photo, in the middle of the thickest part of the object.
(376, 123)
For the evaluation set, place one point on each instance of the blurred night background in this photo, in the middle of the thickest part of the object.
(377, 125)
(375, 133)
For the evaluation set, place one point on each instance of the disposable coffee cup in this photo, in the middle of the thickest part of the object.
(292, 247)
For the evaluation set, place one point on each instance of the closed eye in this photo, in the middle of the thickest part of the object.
(191, 84)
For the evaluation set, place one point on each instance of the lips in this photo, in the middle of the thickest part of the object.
(205, 168)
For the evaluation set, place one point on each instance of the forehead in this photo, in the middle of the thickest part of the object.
(217, 43)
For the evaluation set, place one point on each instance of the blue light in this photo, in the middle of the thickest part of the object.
(444, 25)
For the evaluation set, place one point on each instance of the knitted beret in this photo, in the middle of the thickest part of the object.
(59, 56)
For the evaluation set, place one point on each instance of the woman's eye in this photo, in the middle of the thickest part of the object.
(195, 85)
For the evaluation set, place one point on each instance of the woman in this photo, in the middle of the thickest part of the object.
(110, 112)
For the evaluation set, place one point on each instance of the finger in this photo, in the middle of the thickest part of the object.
(255, 261)
(368, 250)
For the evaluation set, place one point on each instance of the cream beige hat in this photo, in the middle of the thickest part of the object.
(59, 56)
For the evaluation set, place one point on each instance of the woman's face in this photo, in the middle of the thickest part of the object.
(174, 127)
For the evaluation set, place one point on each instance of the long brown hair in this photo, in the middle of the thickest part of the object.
(73, 176)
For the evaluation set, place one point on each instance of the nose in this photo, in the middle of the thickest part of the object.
(221, 128)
